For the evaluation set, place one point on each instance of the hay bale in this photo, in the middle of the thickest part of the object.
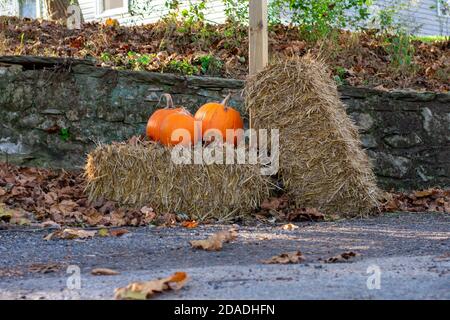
(142, 173)
(322, 163)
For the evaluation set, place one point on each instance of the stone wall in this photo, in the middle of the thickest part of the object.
(53, 111)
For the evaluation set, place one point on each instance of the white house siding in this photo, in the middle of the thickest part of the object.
(87, 9)
(420, 15)
(215, 12)
(9, 8)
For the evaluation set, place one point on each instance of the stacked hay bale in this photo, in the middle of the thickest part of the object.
(142, 173)
(322, 164)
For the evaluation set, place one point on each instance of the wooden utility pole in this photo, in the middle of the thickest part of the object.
(258, 41)
(56, 9)
(258, 36)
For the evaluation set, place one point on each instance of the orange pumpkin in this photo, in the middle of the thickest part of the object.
(179, 121)
(154, 123)
(220, 117)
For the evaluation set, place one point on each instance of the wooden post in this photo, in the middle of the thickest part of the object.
(258, 36)
(258, 40)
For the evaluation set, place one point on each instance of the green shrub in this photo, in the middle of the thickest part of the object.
(315, 18)
(183, 67)
(209, 65)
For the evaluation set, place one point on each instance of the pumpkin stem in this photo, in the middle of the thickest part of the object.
(225, 101)
(169, 101)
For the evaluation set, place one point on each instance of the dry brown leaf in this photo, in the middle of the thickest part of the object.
(343, 257)
(146, 210)
(7, 272)
(93, 217)
(50, 224)
(2, 191)
(118, 232)
(285, 258)
(71, 234)
(289, 227)
(430, 200)
(275, 203)
(50, 198)
(44, 268)
(215, 242)
(104, 272)
(423, 193)
(67, 206)
(145, 290)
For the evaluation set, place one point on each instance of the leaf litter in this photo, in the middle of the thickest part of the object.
(286, 258)
(147, 289)
(364, 58)
(215, 242)
(104, 272)
(343, 257)
(55, 198)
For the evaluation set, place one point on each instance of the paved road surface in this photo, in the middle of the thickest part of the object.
(411, 251)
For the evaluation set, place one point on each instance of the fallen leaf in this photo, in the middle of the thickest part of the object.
(67, 206)
(190, 224)
(215, 242)
(93, 217)
(20, 221)
(285, 258)
(44, 268)
(50, 224)
(146, 210)
(110, 22)
(275, 203)
(103, 232)
(14, 216)
(289, 227)
(5, 213)
(104, 272)
(145, 290)
(50, 198)
(10, 273)
(71, 234)
(118, 218)
(167, 219)
(53, 129)
(343, 257)
(118, 232)
(423, 193)
(2, 191)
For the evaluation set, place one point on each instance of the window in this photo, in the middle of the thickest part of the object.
(28, 8)
(106, 8)
(443, 7)
(23, 8)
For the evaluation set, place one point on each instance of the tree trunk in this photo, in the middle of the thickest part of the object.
(57, 9)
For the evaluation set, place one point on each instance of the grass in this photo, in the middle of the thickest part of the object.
(430, 39)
